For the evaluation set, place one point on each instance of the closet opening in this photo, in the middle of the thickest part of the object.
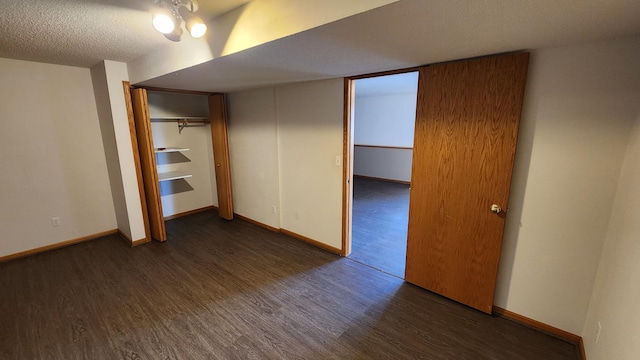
(382, 121)
(182, 146)
(181, 141)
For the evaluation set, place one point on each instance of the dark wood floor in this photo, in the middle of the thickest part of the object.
(379, 224)
(231, 290)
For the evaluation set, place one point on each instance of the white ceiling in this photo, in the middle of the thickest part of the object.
(85, 32)
(403, 34)
(385, 85)
(410, 33)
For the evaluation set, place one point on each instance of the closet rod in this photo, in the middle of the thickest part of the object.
(185, 124)
(195, 120)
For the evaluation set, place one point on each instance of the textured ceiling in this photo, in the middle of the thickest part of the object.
(84, 32)
(403, 34)
(410, 33)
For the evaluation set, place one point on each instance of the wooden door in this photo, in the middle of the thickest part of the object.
(467, 120)
(126, 86)
(218, 120)
(148, 163)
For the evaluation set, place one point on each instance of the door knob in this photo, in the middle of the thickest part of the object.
(496, 209)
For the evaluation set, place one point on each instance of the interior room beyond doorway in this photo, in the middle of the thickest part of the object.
(383, 129)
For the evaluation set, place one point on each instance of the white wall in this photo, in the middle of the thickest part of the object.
(103, 105)
(310, 123)
(617, 292)
(116, 73)
(383, 163)
(196, 161)
(253, 154)
(384, 120)
(198, 191)
(177, 105)
(107, 78)
(53, 161)
(283, 146)
(578, 107)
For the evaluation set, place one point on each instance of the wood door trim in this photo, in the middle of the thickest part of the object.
(582, 353)
(136, 161)
(347, 168)
(148, 164)
(220, 147)
(385, 73)
(347, 143)
(177, 91)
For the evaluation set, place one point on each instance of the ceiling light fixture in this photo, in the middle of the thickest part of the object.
(169, 15)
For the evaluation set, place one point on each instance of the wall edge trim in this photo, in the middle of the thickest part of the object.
(190, 212)
(133, 243)
(58, 245)
(313, 242)
(292, 234)
(542, 327)
(257, 223)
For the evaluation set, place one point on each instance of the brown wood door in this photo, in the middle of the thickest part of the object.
(218, 119)
(136, 160)
(148, 163)
(467, 120)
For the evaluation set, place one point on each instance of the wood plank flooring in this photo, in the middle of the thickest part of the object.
(232, 290)
(379, 224)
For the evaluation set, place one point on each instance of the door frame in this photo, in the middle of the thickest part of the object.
(220, 148)
(148, 165)
(349, 101)
(347, 152)
(126, 85)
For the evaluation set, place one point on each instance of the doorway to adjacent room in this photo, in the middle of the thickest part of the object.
(384, 109)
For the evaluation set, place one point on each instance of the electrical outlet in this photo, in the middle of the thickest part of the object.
(598, 332)
(55, 221)
(273, 209)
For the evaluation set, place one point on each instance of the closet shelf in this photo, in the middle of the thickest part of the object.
(173, 175)
(170, 149)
